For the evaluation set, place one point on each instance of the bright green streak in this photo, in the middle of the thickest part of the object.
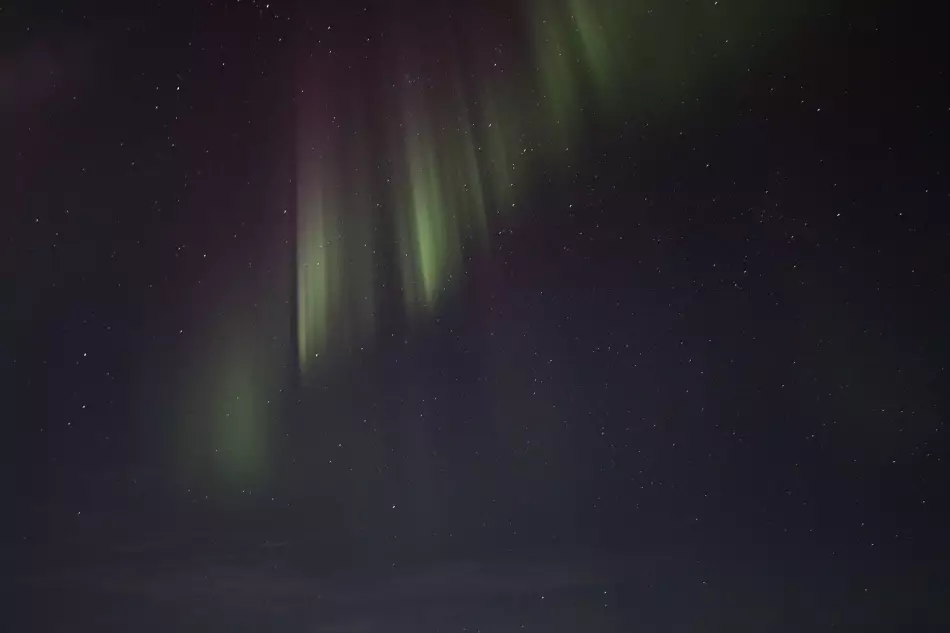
(336, 295)
(432, 230)
(427, 215)
(443, 208)
(315, 259)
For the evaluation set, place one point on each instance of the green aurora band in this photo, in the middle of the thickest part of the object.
(459, 163)
(392, 197)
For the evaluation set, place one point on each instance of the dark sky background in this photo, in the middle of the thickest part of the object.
(695, 381)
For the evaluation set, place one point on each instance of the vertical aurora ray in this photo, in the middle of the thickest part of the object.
(335, 260)
(552, 35)
(428, 218)
(430, 231)
(316, 258)
(602, 44)
(441, 199)
(468, 185)
(500, 138)
(335, 282)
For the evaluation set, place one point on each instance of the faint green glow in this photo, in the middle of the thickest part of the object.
(239, 425)
(558, 67)
(224, 414)
(601, 43)
(469, 185)
(500, 139)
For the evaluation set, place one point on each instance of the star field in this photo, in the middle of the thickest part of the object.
(501, 316)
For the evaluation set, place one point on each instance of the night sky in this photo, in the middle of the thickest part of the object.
(512, 315)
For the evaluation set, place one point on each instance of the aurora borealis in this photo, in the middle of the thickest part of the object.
(430, 316)
(463, 140)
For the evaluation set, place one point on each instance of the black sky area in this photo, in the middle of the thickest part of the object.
(697, 381)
